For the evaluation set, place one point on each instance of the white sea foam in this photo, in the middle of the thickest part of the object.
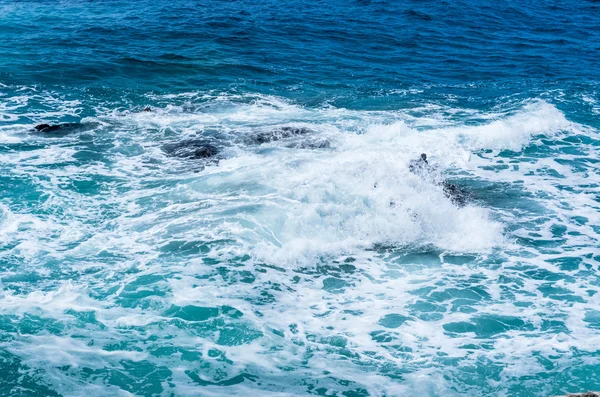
(311, 203)
(330, 289)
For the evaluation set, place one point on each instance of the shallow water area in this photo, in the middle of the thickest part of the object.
(231, 211)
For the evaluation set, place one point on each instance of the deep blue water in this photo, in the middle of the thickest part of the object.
(258, 230)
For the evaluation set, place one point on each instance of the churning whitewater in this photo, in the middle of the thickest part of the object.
(299, 198)
(289, 259)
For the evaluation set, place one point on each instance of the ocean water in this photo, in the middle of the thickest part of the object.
(302, 257)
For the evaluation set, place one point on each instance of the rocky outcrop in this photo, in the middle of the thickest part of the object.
(192, 149)
(279, 134)
(457, 195)
(45, 128)
(314, 143)
(62, 129)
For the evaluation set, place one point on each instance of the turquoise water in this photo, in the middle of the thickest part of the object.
(258, 231)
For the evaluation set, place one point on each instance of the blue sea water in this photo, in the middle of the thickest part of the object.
(304, 258)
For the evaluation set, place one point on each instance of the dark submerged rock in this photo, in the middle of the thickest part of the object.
(46, 127)
(279, 134)
(312, 144)
(192, 149)
(457, 195)
(419, 166)
(422, 167)
(56, 127)
(63, 128)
